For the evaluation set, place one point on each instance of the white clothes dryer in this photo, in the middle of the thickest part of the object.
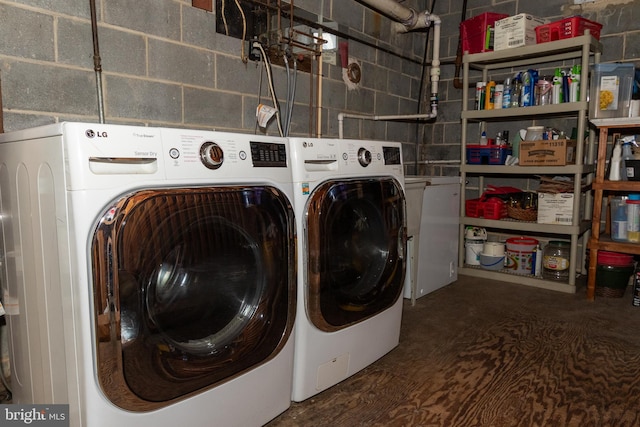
(150, 273)
(350, 213)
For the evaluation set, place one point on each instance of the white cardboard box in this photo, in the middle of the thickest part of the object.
(557, 208)
(516, 31)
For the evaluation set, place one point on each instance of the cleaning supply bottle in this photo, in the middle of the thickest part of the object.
(483, 138)
(627, 171)
(556, 90)
(616, 160)
(506, 93)
(516, 89)
(488, 95)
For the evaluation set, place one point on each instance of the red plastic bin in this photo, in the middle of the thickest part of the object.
(566, 28)
(473, 31)
(489, 208)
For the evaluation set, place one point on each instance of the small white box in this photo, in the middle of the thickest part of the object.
(516, 31)
(557, 208)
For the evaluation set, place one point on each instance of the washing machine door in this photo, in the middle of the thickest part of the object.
(192, 287)
(356, 238)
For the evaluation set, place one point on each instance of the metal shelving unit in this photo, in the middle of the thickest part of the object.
(584, 50)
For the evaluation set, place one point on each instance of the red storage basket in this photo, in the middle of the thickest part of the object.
(473, 31)
(566, 28)
(489, 208)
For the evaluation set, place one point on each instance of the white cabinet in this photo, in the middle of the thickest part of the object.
(583, 50)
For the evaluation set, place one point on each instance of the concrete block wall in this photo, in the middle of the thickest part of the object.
(164, 64)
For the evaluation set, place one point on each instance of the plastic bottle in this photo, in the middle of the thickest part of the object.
(483, 139)
(506, 93)
(574, 85)
(479, 102)
(527, 94)
(556, 89)
(616, 160)
(488, 95)
(516, 89)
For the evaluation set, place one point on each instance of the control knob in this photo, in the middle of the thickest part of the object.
(364, 157)
(211, 155)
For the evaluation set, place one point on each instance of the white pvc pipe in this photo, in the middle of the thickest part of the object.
(395, 10)
(408, 17)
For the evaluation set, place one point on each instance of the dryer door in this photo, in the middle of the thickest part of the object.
(192, 287)
(356, 239)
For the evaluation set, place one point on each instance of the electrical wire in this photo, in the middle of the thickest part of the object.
(255, 129)
(267, 67)
(244, 32)
(224, 18)
(287, 116)
(293, 94)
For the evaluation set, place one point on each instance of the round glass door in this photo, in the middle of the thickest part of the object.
(356, 239)
(192, 288)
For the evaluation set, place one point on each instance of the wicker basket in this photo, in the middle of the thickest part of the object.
(518, 213)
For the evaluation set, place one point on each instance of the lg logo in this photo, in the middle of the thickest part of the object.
(90, 133)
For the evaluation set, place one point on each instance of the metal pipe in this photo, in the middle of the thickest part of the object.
(97, 65)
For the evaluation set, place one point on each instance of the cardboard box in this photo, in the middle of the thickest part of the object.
(557, 208)
(516, 31)
(554, 152)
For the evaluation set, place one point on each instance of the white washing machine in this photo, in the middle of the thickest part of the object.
(149, 274)
(350, 212)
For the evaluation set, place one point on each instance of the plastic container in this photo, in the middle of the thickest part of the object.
(491, 262)
(567, 28)
(487, 154)
(476, 32)
(613, 271)
(611, 87)
(474, 238)
(555, 261)
(633, 218)
(520, 254)
(489, 208)
(618, 207)
(534, 133)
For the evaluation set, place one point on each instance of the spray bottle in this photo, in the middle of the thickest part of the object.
(574, 85)
(616, 160)
(556, 90)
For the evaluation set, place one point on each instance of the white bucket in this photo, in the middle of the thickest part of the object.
(473, 243)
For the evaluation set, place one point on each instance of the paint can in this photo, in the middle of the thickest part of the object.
(474, 238)
(520, 252)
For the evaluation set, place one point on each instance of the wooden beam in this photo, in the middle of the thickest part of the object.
(203, 4)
